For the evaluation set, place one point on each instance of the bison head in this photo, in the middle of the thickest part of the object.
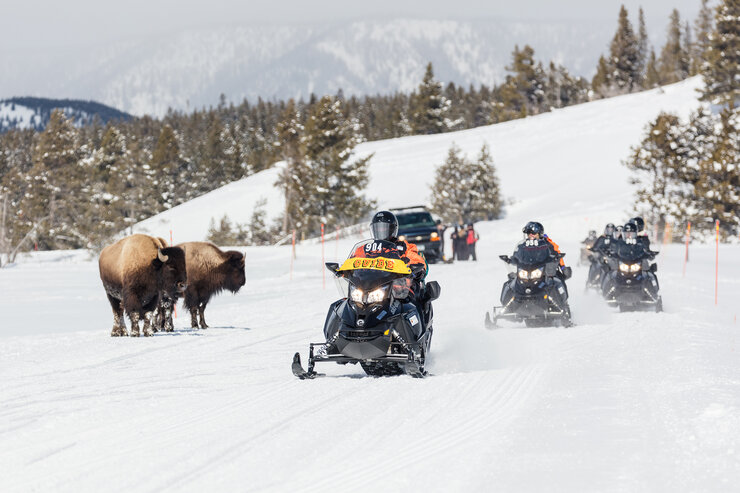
(170, 262)
(236, 276)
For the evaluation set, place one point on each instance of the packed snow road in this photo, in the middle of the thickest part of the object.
(620, 402)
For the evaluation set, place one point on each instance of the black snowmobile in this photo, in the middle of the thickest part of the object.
(535, 293)
(600, 265)
(632, 284)
(376, 324)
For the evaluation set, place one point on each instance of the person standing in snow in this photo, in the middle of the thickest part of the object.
(471, 238)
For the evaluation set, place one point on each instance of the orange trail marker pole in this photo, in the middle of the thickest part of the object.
(716, 262)
(323, 270)
(686, 257)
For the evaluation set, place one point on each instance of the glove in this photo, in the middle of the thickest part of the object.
(417, 270)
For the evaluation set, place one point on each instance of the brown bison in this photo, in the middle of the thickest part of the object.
(210, 271)
(136, 272)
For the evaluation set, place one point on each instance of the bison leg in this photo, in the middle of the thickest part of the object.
(148, 329)
(119, 324)
(201, 312)
(134, 316)
(194, 317)
(164, 315)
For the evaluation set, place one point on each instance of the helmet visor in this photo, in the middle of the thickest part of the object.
(381, 231)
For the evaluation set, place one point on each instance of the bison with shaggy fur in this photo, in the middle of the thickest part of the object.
(210, 271)
(136, 271)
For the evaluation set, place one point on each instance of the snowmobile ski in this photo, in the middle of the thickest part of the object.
(298, 370)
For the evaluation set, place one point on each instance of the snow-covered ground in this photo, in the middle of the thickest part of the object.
(620, 402)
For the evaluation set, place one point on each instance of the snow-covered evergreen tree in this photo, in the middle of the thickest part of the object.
(429, 107)
(465, 191)
(674, 63)
(54, 203)
(721, 70)
(334, 185)
(624, 57)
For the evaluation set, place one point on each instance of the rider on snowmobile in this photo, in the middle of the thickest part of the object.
(535, 231)
(641, 234)
(384, 226)
(605, 243)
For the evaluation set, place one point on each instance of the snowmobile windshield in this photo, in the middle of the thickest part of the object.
(630, 252)
(532, 253)
(373, 263)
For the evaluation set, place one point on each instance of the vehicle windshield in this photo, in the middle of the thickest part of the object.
(410, 220)
(630, 252)
(372, 263)
(532, 254)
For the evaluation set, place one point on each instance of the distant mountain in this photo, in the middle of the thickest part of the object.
(192, 68)
(35, 112)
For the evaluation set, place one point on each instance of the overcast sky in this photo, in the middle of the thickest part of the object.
(33, 24)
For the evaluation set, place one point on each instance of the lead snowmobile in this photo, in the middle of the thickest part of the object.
(377, 323)
(632, 284)
(535, 293)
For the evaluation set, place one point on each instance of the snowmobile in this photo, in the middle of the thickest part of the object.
(598, 270)
(534, 293)
(632, 284)
(375, 324)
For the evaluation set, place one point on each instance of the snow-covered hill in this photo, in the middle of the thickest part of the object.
(620, 402)
(192, 68)
(557, 166)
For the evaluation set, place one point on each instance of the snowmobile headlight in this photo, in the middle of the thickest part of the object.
(376, 296)
(535, 274)
(635, 267)
(356, 294)
(401, 238)
(624, 267)
(523, 274)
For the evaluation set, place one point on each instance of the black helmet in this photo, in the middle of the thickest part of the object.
(609, 229)
(533, 228)
(639, 222)
(384, 226)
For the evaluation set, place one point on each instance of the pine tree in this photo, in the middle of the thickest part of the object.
(465, 191)
(54, 202)
(296, 174)
(602, 79)
(624, 56)
(168, 165)
(334, 184)
(524, 91)
(652, 77)
(657, 162)
(718, 188)
(674, 62)
(722, 66)
(643, 48)
(703, 26)
(485, 199)
(429, 107)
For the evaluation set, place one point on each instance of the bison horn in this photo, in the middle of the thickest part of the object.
(161, 256)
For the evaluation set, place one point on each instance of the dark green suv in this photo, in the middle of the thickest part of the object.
(416, 225)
